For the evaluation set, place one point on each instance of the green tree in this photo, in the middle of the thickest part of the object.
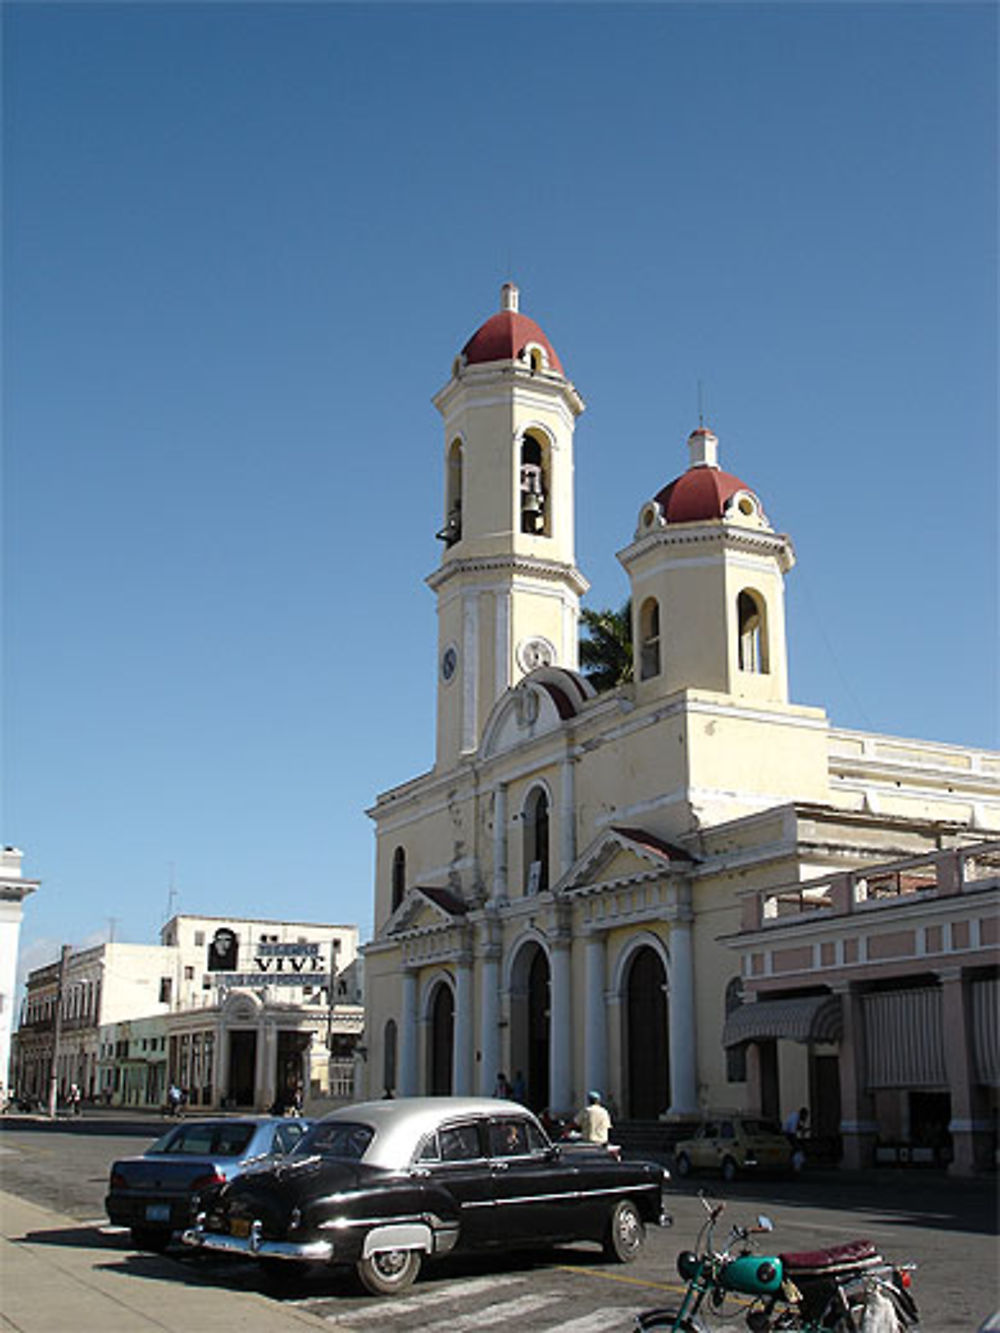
(606, 652)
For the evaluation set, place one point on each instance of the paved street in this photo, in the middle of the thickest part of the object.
(947, 1227)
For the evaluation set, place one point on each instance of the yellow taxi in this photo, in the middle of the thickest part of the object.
(732, 1144)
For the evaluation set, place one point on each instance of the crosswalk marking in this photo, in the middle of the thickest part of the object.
(503, 1312)
(598, 1321)
(446, 1294)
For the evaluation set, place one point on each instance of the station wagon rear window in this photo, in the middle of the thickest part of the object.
(339, 1138)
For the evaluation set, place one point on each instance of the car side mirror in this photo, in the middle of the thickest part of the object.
(554, 1152)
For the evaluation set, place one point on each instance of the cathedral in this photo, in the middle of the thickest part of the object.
(578, 892)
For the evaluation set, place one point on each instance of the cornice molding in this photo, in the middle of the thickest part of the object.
(726, 536)
(549, 571)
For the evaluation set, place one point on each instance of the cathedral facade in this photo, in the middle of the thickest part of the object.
(561, 896)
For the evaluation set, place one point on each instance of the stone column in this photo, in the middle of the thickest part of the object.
(408, 1040)
(264, 1090)
(567, 816)
(683, 1040)
(970, 1132)
(561, 1029)
(858, 1127)
(461, 1070)
(489, 1017)
(596, 1031)
(220, 1074)
(499, 894)
(470, 672)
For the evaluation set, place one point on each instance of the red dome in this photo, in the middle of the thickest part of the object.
(504, 337)
(698, 494)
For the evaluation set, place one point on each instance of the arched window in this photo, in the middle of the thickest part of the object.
(649, 639)
(752, 632)
(536, 841)
(389, 1057)
(535, 517)
(398, 877)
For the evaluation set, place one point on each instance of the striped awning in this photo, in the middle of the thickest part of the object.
(806, 1018)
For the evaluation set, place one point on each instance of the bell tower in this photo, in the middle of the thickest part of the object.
(508, 590)
(708, 595)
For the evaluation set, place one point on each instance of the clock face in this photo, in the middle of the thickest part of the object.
(449, 662)
(535, 652)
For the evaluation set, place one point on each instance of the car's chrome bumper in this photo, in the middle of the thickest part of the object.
(256, 1247)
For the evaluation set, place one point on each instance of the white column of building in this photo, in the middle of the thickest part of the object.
(596, 1032)
(501, 646)
(408, 1036)
(489, 1017)
(264, 1090)
(567, 816)
(470, 672)
(461, 1074)
(683, 1080)
(561, 1029)
(500, 843)
(220, 1074)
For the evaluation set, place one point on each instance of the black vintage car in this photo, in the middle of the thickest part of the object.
(381, 1185)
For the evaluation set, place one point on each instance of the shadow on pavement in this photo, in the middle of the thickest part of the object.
(75, 1238)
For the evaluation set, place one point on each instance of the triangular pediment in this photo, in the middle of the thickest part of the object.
(624, 856)
(425, 909)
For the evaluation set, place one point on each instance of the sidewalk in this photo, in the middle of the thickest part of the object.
(61, 1276)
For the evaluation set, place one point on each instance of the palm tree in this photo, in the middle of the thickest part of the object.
(606, 654)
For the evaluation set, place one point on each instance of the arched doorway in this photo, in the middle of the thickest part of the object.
(647, 1047)
(441, 1041)
(529, 1015)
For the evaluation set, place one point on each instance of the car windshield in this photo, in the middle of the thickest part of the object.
(336, 1138)
(206, 1140)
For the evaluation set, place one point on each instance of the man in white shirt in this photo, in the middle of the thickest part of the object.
(594, 1120)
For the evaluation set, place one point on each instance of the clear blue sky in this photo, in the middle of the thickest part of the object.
(241, 245)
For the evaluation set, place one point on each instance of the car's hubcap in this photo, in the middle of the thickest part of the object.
(390, 1263)
(628, 1229)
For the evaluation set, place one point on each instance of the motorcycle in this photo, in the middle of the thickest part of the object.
(845, 1289)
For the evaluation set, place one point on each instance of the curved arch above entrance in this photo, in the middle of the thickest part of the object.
(530, 1032)
(440, 1040)
(646, 1037)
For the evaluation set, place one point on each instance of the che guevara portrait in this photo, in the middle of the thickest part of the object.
(223, 951)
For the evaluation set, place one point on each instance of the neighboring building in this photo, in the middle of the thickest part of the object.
(880, 985)
(132, 1063)
(557, 896)
(102, 985)
(240, 1013)
(258, 1017)
(14, 888)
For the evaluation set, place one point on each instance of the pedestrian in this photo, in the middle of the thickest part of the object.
(74, 1099)
(519, 1091)
(502, 1088)
(594, 1120)
(796, 1129)
(797, 1123)
(174, 1099)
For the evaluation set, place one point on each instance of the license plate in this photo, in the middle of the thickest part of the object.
(239, 1226)
(157, 1212)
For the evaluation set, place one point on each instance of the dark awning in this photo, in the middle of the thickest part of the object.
(806, 1018)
